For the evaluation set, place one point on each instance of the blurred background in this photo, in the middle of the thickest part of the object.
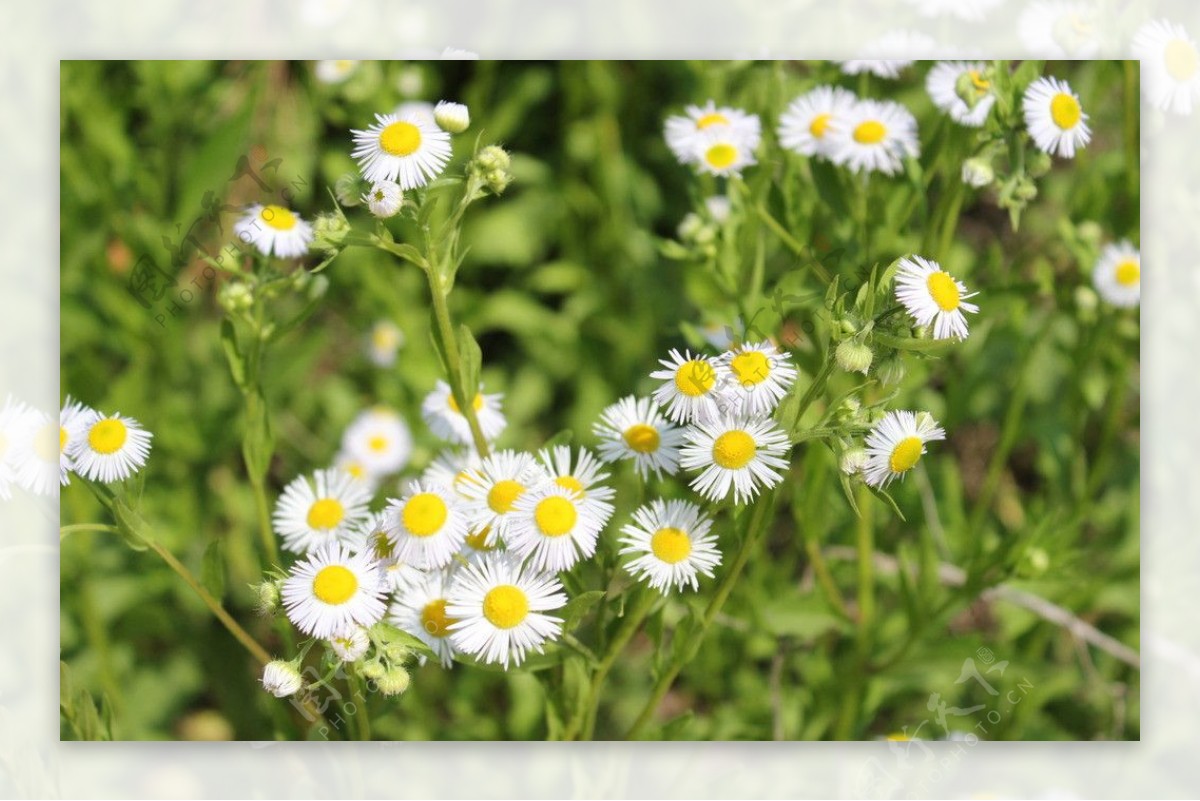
(569, 290)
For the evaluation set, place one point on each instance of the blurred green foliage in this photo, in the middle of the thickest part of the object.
(569, 293)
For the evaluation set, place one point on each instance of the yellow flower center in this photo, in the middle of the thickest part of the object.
(905, 455)
(820, 125)
(383, 338)
(107, 436)
(335, 584)
(715, 118)
(434, 619)
(751, 367)
(670, 545)
(424, 514)
(325, 513)
(377, 443)
(571, 483)
(1180, 58)
(502, 495)
(555, 516)
(642, 438)
(695, 378)
(382, 546)
(734, 449)
(943, 290)
(721, 155)
(478, 540)
(1065, 111)
(400, 138)
(978, 81)
(505, 606)
(62, 438)
(1128, 273)
(278, 217)
(43, 443)
(477, 403)
(355, 469)
(870, 132)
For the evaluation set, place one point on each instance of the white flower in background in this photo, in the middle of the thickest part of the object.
(722, 153)
(415, 108)
(977, 173)
(324, 509)
(281, 679)
(553, 527)
(1170, 65)
(632, 428)
(110, 447)
(1060, 29)
(13, 427)
(451, 468)
(384, 342)
(742, 454)
(410, 82)
(896, 443)
(693, 387)
(421, 611)
(908, 45)
(379, 439)
(759, 377)
(331, 591)
(966, 10)
(500, 610)
(36, 462)
(804, 126)
(274, 231)
(452, 117)
(492, 490)
(427, 526)
(874, 136)
(352, 465)
(719, 208)
(409, 149)
(334, 71)
(1054, 117)
(352, 646)
(384, 199)
(719, 335)
(444, 418)
(582, 477)
(672, 542)
(933, 297)
(685, 132)
(1118, 274)
(943, 81)
(71, 421)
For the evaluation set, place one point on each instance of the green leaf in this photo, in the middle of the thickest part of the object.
(259, 444)
(563, 437)
(829, 188)
(470, 362)
(130, 525)
(212, 570)
(675, 728)
(577, 607)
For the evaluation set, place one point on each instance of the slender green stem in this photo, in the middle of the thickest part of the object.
(63, 531)
(266, 532)
(865, 540)
(463, 396)
(361, 718)
(824, 578)
(792, 243)
(758, 520)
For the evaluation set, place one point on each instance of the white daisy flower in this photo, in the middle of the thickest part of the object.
(683, 132)
(672, 544)
(633, 428)
(427, 526)
(110, 447)
(874, 136)
(380, 439)
(326, 508)
(421, 611)
(942, 85)
(896, 443)
(419, 108)
(352, 646)
(500, 610)
(1170, 65)
(760, 376)
(373, 540)
(492, 490)
(553, 527)
(281, 679)
(384, 199)
(1060, 29)
(693, 387)
(1118, 274)
(410, 150)
(333, 71)
(357, 469)
(451, 468)
(583, 478)
(384, 343)
(452, 117)
(444, 418)
(739, 453)
(721, 152)
(71, 421)
(933, 297)
(274, 230)
(331, 591)
(1054, 117)
(37, 463)
(804, 126)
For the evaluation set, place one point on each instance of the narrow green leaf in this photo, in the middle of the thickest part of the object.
(577, 607)
(212, 570)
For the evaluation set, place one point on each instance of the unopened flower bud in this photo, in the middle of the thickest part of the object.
(384, 199)
(890, 371)
(267, 597)
(971, 87)
(235, 296)
(452, 117)
(281, 679)
(329, 231)
(853, 461)
(348, 190)
(977, 172)
(854, 357)
(493, 158)
(1038, 164)
(393, 682)
(719, 207)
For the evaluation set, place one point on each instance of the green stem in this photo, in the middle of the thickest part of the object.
(754, 528)
(465, 401)
(814, 389)
(792, 243)
(824, 578)
(361, 718)
(266, 532)
(865, 540)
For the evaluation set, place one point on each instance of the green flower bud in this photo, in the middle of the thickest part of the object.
(890, 372)
(977, 172)
(1038, 164)
(393, 682)
(853, 461)
(972, 86)
(235, 296)
(372, 670)
(329, 231)
(452, 117)
(493, 158)
(349, 190)
(854, 357)
(266, 597)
